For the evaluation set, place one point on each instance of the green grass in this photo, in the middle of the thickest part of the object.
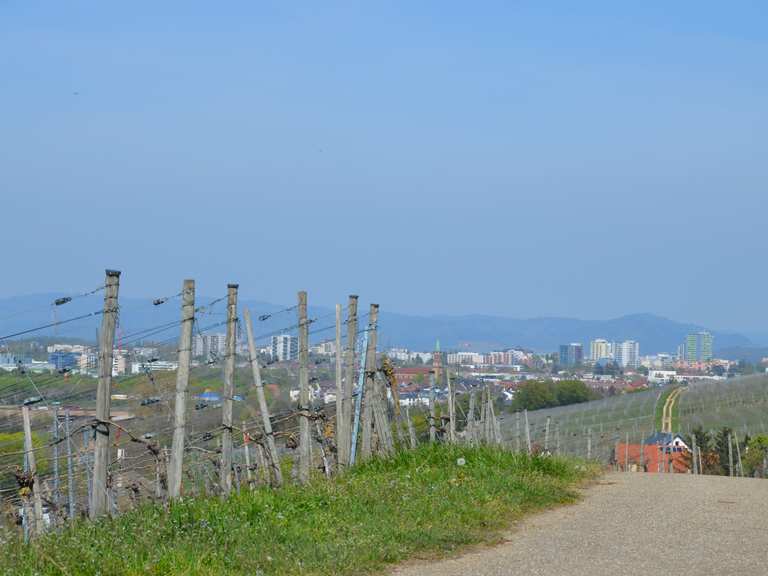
(417, 503)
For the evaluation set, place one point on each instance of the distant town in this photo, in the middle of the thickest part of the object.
(606, 367)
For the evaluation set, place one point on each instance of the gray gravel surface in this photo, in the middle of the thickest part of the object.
(627, 524)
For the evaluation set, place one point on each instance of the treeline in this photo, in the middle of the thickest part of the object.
(538, 394)
(748, 455)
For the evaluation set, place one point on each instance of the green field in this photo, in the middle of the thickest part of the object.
(428, 501)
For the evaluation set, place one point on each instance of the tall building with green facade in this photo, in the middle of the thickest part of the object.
(698, 347)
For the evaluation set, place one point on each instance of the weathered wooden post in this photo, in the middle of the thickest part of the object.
(29, 454)
(182, 383)
(269, 437)
(366, 443)
(345, 441)
(70, 468)
(432, 409)
(451, 407)
(528, 433)
(305, 436)
(225, 469)
(98, 495)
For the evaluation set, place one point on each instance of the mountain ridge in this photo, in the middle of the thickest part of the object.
(477, 332)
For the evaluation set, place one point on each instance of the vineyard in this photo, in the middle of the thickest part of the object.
(596, 427)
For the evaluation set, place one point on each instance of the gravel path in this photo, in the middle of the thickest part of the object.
(627, 524)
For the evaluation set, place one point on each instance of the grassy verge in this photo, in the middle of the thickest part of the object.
(413, 504)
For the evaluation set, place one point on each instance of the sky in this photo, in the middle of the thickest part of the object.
(582, 159)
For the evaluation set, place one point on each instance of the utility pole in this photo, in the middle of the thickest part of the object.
(344, 447)
(305, 435)
(182, 383)
(370, 377)
(98, 497)
(32, 470)
(225, 470)
(271, 449)
(341, 422)
(70, 468)
(451, 407)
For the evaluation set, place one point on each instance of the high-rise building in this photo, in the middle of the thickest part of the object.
(571, 354)
(627, 353)
(600, 350)
(698, 347)
(285, 347)
(209, 346)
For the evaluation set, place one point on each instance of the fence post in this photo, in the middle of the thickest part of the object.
(432, 409)
(70, 468)
(695, 462)
(546, 434)
(626, 451)
(381, 422)
(247, 452)
(738, 455)
(370, 375)
(182, 382)
(341, 422)
(225, 468)
(305, 436)
(56, 478)
(29, 450)
(470, 429)
(98, 496)
(358, 403)
(730, 455)
(271, 449)
(517, 431)
(589, 443)
(344, 448)
(527, 433)
(411, 429)
(451, 406)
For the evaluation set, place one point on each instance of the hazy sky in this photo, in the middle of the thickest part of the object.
(586, 159)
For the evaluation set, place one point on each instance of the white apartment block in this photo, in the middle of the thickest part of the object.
(600, 349)
(285, 347)
(627, 353)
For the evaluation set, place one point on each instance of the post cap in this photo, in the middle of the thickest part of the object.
(113, 273)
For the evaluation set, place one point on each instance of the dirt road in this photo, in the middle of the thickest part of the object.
(633, 524)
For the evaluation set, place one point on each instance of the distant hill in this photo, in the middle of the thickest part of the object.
(472, 332)
(753, 354)
(475, 332)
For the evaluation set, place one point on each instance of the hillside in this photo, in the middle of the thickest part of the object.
(739, 403)
(476, 332)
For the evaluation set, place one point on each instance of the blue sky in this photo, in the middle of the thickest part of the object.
(585, 159)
